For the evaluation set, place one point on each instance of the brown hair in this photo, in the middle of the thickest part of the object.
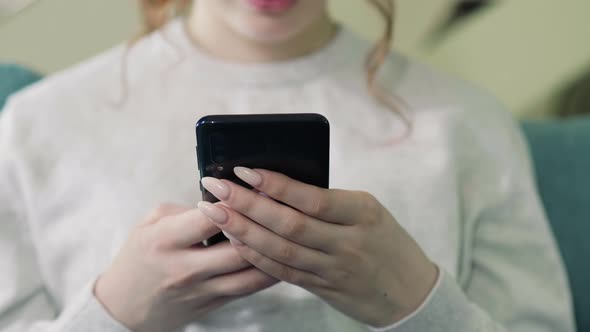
(157, 13)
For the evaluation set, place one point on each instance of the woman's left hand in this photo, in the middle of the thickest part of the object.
(343, 246)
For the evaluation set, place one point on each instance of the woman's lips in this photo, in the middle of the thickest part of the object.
(272, 6)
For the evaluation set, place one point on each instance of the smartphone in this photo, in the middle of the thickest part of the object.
(297, 145)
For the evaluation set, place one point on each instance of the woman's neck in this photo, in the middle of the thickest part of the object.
(220, 40)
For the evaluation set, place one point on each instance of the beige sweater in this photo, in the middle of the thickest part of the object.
(83, 157)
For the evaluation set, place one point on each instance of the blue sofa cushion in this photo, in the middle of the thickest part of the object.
(14, 78)
(561, 154)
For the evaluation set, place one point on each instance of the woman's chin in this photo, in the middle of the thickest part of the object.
(267, 32)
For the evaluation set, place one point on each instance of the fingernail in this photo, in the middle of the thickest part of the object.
(215, 213)
(249, 176)
(216, 187)
(233, 240)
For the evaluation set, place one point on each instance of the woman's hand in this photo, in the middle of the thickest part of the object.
(344, 246)
(163, 278)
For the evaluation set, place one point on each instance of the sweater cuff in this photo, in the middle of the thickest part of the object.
(86, 313)
(445, 309)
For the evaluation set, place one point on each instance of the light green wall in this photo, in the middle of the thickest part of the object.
(53, 34)
(521, 50)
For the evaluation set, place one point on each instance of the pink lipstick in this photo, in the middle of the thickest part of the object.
(272, 6)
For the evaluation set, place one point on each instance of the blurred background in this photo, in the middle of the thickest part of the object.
(534, 55)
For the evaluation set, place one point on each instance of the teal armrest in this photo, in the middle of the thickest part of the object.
(14, 78)
(561, 154)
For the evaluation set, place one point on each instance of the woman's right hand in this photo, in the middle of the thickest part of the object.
(163, 278)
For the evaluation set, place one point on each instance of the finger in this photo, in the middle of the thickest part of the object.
(280, 219)
(185, 229)
(281, 271)
(239, 283)
(261, 239)
(213, 261)
(332, 205)
(164, 210)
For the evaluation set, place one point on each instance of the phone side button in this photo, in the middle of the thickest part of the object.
(197, 156)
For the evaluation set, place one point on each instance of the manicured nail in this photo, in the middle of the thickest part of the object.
(249, 176)
(215, 213)
(233, 240)
(216, 187)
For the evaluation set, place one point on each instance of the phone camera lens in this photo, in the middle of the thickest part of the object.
(218, 148)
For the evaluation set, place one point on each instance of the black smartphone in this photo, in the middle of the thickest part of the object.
(297, 145)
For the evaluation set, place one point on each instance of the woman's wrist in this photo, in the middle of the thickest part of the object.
(423, 285)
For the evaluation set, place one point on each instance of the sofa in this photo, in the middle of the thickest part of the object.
(560, 151)
(14, 78)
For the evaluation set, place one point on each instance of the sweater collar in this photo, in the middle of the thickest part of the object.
(280, 73)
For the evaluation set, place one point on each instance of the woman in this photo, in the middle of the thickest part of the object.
(437, 226)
